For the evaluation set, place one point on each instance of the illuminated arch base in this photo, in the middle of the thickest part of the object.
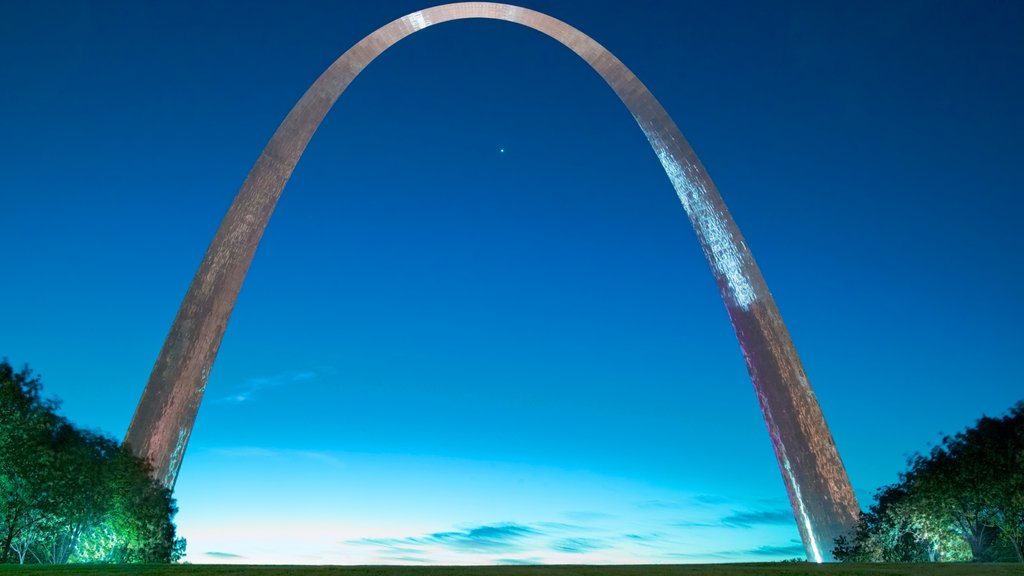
(823, 502)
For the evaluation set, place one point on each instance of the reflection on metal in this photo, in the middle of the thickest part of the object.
(823, 502)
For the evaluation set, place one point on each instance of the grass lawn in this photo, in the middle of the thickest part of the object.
(781, 569)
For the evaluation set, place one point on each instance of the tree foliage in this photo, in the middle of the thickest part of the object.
(70, 495)
(963, 501)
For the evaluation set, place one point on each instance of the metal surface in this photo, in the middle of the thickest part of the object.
(820, 493)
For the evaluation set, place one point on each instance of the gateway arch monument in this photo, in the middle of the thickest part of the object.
(823, 502)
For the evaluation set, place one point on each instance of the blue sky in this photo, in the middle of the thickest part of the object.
(446, 353)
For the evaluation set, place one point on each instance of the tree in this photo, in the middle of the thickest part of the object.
(82, 480)
(887, 532)
(70, 495)
(954, 490)
(992, 452)
(140, 514)
(963, 501)
(26, 491)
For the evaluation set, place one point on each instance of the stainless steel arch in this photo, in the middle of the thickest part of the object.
(819, 490)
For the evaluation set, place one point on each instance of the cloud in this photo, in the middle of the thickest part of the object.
(245, 391)
(519, 561)
(793, 549)
(585, 515)
(407, 559)
(698, 556)
(394, 545)
(659, 505)
(484, 538)
(788, 551)
(513, 543)
(319, 456)
(481, 539)
(224, 555)
(749, 519)
(690, 524)
(578, 545)
(563, 527)
(742, 519)
(710, 499)
(651, 540)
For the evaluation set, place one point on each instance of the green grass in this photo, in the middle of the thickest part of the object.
(781, 569)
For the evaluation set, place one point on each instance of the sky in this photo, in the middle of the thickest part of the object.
(479, 328)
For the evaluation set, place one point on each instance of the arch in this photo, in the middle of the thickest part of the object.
(823, 502)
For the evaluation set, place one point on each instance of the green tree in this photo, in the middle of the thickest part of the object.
(991, 460)
(954, 491)
(70, 495)
(26, 462)
(963, 501)
(139, 515)
(887, 532)
(83, 488)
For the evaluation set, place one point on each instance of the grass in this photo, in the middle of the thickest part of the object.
(780, 569)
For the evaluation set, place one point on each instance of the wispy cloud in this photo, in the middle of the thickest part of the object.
(586, 515)
(652, 540)
(748, 519)
(698, 556)
(555, 542)
(224, 555)
(578, 545)
(793, 549)
(247, 389)
(659, 505)
(485, 538)
(696, 524)
(323, 459)
(742, 519)
(248, 452)
(710, 499)
(519, 561)
(481, 539)
(392, 545)
(788, 551)
(408, 559)
(563, 527)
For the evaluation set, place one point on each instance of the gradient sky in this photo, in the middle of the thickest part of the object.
(449, 353)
